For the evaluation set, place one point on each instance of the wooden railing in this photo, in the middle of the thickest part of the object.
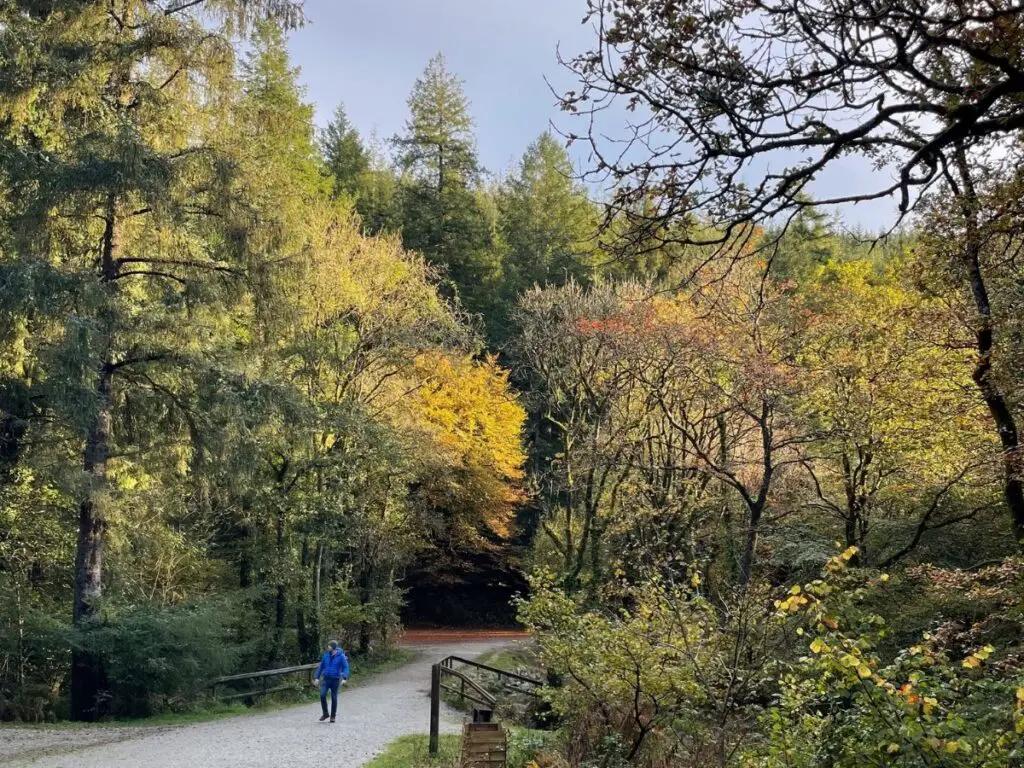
(265, 676)
(475, 693)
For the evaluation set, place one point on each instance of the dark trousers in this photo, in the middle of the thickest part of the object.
(329, 684)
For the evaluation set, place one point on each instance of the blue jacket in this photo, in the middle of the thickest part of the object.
(335, 666)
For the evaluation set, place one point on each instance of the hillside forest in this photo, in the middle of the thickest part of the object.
(750, 476)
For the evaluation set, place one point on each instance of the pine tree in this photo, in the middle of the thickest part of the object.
(442, 215)
(378, 199)
(345, 158)
(547, 222)
(439, 147)
(122, 197)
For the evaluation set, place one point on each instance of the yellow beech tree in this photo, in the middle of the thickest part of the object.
(468, 461)
(473, 424)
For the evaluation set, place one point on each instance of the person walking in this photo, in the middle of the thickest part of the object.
(332, 673)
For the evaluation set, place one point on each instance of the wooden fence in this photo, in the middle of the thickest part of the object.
(263, 686)
(468, 689)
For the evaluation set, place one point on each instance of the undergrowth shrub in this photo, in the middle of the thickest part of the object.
(157, 657)
(948, 700)
(664, 677)
(34, 655)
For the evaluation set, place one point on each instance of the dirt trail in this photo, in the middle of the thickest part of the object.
(369, 717)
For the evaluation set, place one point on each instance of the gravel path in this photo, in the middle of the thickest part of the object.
(369, 717)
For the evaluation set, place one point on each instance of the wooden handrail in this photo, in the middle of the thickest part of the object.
(444, 667)
(464, 695)
(263, 673)
(489, 698)
(502, 672)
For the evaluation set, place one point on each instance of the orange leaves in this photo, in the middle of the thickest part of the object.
(640, 319)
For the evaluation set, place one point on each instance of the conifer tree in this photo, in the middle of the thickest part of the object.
(547, 222)
(345, 158)
(442, 215)
(120, 192)
(378, 198)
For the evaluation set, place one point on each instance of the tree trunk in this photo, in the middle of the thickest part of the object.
(86, 673)
(307, 619)
(756, 505)
(365, 595)
(984, 332)
(731, 556)
(87, 677)
(244, 554)
(317, 580)
(280, 596)
(1006, 427)
(750, 545)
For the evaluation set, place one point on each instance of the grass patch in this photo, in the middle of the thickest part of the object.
(411, 752)
(510, 659)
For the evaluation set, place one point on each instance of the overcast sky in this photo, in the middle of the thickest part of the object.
(367, 54)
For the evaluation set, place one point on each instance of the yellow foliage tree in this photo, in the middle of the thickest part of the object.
(472, 457)
(900, 435)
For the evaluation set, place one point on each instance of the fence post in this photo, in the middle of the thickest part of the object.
(435, 707)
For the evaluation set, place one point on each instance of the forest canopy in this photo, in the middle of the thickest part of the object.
(749, 475)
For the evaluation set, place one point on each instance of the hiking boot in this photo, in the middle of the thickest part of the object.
(324, 718)
(332, 719)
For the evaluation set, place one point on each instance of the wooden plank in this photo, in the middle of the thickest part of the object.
(258, 692)
(264, 673)
(484, 745)
(495, 670)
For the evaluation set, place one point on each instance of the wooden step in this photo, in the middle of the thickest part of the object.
(484, 745)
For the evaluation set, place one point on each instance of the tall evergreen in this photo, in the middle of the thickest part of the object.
(548, 224)
(345, 158)
(378, 198)
(110, 111)
(442, 214)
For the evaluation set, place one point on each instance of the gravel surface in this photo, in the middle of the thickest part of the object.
(370, 716)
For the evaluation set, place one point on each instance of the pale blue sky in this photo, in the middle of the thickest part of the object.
(368, 53)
